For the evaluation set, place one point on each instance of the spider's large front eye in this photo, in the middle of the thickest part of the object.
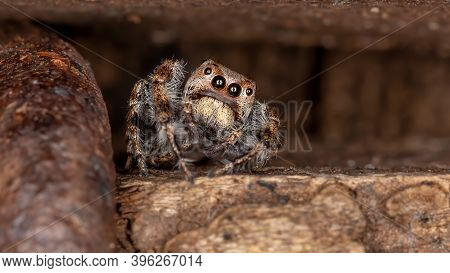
(218, 82)
(234, 89)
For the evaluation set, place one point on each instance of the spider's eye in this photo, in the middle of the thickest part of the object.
(218, 82)
(234, 89)
(207, 71)
(249, 91)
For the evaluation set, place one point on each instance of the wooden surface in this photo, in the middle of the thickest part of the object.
(56, 169)
(288, 211)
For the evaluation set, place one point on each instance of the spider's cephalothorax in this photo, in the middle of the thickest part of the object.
(215, 116)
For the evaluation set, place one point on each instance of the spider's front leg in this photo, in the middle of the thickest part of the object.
(166, 82)
(231, 139)
(264, 126)
(155, 106)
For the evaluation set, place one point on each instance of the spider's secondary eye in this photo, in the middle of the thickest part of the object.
(249, 91)
(234, 89)
(207, 71)
(218, 82)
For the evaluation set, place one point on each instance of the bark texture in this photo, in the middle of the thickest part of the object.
(56, 169)
(313, 212)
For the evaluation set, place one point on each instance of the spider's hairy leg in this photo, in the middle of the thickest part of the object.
(134, 132)
(269, 141)
(166, 81)
(188, 112)
(228, 141)
(176, 150)
(229, 167)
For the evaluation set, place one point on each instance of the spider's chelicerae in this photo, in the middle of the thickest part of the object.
(215, 115)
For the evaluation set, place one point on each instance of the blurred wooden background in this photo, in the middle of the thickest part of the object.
(387, 106)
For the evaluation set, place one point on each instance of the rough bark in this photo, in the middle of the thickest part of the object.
(310, 212)
(56, 169)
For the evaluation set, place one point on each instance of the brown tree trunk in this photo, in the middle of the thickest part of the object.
(289, 212)
(56, 169)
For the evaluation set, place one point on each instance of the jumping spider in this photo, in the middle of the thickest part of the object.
(215, 116)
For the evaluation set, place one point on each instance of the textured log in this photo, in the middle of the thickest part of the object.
(314, 212)
(56, 169)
